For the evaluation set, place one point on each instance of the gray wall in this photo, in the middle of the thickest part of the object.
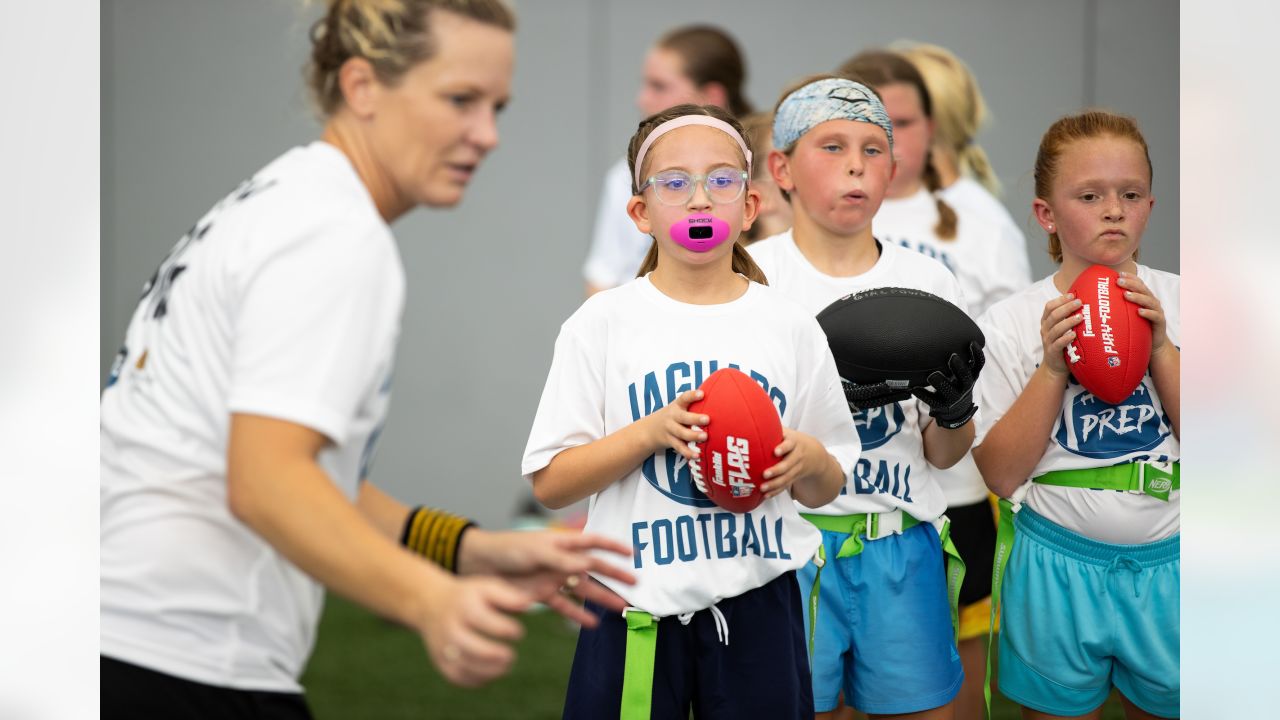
(198, 95)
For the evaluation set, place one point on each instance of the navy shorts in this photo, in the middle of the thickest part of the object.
(763, 671)
(132, 692)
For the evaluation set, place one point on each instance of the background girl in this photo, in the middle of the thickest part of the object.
(965, 174)
(775, 211)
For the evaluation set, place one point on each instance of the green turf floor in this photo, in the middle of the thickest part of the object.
(364, 667)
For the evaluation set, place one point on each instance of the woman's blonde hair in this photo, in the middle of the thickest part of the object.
(742, 262)
(393, 35)
(959, 111)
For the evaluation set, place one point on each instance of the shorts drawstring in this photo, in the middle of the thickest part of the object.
(1134, 567)
(722, 625)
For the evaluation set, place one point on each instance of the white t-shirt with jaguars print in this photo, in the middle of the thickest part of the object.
(630, 351)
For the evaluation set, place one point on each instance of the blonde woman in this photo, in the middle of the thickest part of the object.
(242, 410)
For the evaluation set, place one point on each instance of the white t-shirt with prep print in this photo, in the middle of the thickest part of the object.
(1088, 432)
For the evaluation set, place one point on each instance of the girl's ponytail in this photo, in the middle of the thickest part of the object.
(973, 159)
(947, 220)
(743, 264)
(650, 260)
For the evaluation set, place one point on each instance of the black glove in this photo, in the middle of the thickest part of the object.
(865, 397)
(951, 400)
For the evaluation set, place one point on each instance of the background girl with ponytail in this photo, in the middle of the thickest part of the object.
(614, 425)
(967, 180)
(989, 263)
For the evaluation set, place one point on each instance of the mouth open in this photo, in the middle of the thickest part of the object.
(466, 171)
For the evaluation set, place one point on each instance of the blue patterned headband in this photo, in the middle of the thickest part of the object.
(823, 100)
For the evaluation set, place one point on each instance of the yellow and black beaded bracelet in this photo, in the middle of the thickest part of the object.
(435, 535)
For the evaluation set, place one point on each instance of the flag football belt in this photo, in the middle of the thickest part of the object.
(642, 647)
(875, 526)
(637, 673)
(1139, 478)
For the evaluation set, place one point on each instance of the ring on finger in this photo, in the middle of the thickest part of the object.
(572, 582)
(569, 584)
(452, 653)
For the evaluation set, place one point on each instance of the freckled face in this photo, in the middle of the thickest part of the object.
(1100, 200)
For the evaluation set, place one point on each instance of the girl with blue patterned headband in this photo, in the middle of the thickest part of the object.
(878, 615)
(614, 426)
(990, 262)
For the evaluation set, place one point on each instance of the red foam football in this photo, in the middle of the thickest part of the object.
(1112, 347)
(741, 437)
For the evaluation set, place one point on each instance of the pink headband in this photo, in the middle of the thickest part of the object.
(682, 121)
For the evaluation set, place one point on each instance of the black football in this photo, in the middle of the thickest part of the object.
(896, 334)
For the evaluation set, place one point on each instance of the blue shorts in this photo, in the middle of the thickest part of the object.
(884, 632)
(763, 672)
(1080, 616)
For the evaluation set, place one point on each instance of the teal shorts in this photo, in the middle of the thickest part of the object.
(1081, 616)
(884, 635)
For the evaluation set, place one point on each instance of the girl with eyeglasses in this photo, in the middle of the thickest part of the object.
(698, 64)
(614, 425)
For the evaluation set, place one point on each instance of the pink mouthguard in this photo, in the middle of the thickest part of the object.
(699, 232)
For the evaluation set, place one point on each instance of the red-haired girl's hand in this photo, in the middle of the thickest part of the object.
(1149, 307)
(1060, 315)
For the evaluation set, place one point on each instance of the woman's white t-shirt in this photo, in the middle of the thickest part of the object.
(284, 300)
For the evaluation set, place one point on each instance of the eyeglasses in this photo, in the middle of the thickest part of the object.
(676, 187)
